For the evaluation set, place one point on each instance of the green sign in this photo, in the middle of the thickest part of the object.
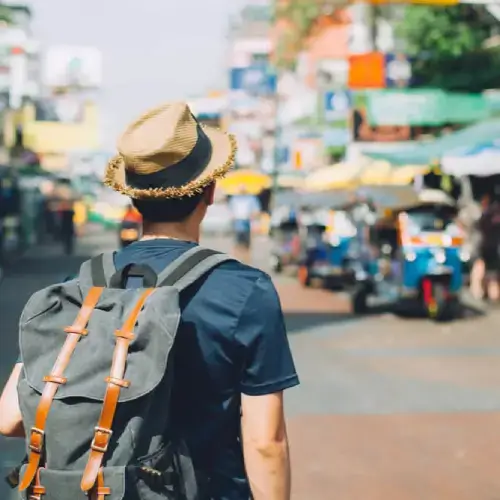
(424, 107)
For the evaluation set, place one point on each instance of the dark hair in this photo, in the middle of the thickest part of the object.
(169, 210)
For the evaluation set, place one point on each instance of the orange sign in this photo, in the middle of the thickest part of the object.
(423, 2)
(367, 71)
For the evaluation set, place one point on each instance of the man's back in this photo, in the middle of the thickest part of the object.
(231, 340)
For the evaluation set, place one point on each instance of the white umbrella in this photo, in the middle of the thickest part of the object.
(483, 160)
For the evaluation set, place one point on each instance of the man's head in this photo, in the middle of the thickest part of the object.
(168, 164)
(176, 210)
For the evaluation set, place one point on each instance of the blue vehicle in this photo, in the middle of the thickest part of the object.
(327, 248)
(423, 264)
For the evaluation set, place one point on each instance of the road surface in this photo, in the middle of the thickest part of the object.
(387, 408)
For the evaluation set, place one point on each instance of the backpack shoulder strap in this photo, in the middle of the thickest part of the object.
(52, 382)
(190, 267)
(97, 271)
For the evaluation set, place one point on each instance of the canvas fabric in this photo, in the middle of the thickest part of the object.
(144, 460)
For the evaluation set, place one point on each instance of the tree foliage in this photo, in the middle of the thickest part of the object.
(301, 17)
(6, 14)
(447, 46)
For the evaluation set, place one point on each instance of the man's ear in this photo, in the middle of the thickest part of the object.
(210, 195)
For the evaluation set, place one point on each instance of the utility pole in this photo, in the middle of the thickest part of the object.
(277, 141)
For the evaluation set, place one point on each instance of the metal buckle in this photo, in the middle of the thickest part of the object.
(107, 433)
(33, 447)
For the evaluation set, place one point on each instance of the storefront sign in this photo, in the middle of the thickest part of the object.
(423, 107)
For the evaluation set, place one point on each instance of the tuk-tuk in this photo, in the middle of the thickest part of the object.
(426, 265)
(326, 241)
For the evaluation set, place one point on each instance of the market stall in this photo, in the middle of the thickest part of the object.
(339, 176)
(253, 181)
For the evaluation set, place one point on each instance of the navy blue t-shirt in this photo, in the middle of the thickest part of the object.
(231, 340)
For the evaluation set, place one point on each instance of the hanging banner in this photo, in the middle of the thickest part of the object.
(367, 71)
(257, 80)
(415, 107)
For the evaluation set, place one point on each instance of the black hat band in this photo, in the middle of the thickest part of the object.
(180, 173)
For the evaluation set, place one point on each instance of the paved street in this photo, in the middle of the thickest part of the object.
(388, 408)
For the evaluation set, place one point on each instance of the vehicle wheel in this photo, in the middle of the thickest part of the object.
(360, 302)
(442, 309)
(304, 276)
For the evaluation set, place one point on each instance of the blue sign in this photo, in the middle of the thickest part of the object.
(256, 80)
(398, 71)
(337, 104)
(283, 154)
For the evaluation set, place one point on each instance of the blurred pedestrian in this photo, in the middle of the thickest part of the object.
(489, 263)
(49, 225)
(245, 208)
(65, 205)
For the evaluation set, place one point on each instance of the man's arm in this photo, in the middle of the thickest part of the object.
(265, 446)
(267, 370)
(11, 421)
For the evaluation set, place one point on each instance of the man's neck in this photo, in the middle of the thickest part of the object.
(174, 231)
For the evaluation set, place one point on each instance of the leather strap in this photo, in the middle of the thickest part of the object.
(100, 492)
(103, 430)
(53, 380)
(37, 491)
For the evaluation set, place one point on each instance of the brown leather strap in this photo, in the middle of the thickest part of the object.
(37, 433)
(37, 491)
(103, 432)
(101, 491)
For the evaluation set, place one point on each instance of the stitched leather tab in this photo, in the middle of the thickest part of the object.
(77, 331)
(124, 384)
(55, 379)
(124, 335)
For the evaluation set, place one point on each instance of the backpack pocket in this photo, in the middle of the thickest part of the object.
(65, 485)
(125, 483)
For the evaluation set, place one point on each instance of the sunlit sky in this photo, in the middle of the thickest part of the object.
(153, 50)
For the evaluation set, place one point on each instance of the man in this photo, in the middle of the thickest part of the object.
(244, 208)
(489, 228)
(64, 205)
(232, 356)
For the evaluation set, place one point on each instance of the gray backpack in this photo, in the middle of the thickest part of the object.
(94, 391)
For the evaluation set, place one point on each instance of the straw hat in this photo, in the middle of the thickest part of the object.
(166, 153)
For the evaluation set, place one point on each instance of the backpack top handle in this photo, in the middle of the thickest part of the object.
(100, 271)
(145, 272)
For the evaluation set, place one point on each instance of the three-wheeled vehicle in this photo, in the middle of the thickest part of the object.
(294, 229)
(322, 244)
(423, 260)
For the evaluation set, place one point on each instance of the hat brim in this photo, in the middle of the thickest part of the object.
(222, 160)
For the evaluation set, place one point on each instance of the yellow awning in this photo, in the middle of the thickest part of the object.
(340, 176)
(402, 176)
(252, 181)
(377, 173)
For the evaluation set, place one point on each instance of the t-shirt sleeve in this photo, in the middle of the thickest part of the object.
(268, 365)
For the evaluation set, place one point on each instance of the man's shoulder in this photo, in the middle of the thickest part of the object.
(235, 271)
